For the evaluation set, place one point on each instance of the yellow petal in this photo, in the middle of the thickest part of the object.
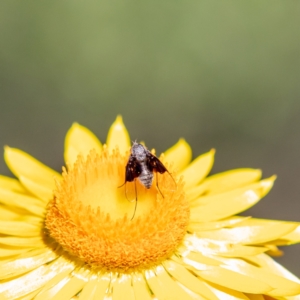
(89, 290)
(222, 247)
(273, 250)
(179, 155)
(192, 282)
(22, 164)
(264, 222)
(280, 285)
(22, 241)
(200, 258)
(11, 184)
(79, 140)
(220, 206)
(60, 275)
(22, 201)
(25, 263)
(203, 226)
(164, 287)
(118, 136)
(241, 251)
(71, 288)
(96, 287)
(290, 238)
(48, 294)
(198, 169)
(102, 286)
(11, 213)
(225, 181)
(29, 282)
(267, 264)
(41, 191)
(291, 298)
(249, 234)
(12, 252)
(19, 228)
(123, 287)
(30, 296)
(18, 215)
(225, 293)
(255, 297)
(233, 280)
(141, 290)
(291, 228)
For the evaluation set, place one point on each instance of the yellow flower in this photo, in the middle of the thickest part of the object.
(71, 236)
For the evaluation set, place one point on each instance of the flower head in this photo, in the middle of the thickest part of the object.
(72, 235)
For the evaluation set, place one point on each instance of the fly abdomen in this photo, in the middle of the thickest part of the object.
(146, 176)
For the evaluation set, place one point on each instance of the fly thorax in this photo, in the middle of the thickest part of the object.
(138, 151)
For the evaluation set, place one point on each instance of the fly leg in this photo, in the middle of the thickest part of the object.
(158, 186)
(135, 200)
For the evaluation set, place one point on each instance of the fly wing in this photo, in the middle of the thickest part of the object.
(133, 169)
(154, 164)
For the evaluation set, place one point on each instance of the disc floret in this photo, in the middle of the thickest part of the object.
(90, 216)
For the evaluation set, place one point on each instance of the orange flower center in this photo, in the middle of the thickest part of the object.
(91, 215)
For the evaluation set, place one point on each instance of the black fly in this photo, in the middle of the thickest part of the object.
(141, 165)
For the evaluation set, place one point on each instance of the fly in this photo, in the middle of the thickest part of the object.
(141, 165)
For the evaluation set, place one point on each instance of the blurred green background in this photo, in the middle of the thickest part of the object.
(222, 74)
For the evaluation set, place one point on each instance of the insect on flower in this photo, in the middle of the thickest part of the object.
(141, 165)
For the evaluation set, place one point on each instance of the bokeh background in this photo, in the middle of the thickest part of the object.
(222, 74)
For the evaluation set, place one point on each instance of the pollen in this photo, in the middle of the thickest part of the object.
(91, 214)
